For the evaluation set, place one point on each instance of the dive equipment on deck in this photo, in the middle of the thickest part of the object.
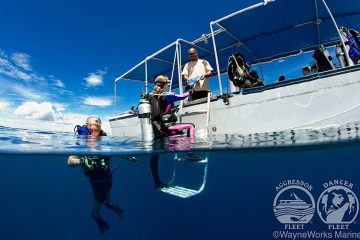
(145, 120)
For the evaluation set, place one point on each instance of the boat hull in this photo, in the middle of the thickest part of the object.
(127, 125)
(318, 101)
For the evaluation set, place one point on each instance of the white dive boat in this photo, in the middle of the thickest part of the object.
(264, 32)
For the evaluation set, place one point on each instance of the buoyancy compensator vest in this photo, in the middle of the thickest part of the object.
(83, 130)
(237, 69)
(96, 167)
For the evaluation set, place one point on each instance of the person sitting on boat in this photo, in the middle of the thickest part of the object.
(196, 73)
(306, 70)
(161, 103)
(97, 169)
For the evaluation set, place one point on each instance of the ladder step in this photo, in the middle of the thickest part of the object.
(179, 191)
(194, 112)
(198, 111)
(191, 158)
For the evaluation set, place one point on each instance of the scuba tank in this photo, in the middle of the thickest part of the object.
(145, 120)
(340, 55)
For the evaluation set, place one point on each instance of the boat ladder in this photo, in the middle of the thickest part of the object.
(205, 111)
(182, 191)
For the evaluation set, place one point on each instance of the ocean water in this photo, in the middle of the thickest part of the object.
(296, 184)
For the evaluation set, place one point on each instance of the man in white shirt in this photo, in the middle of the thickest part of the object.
(196, 73)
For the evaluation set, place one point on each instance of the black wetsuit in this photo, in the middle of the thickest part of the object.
(158, 107)
(97, 169)
(161, 115)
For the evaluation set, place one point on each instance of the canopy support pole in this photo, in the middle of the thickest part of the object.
(146, 76)
(173, 69)
(263, 3)
(317, 21)
(114, 97)
(178, 58)
(216, 58)
(340, 36)
(235, 38)
(194, 45)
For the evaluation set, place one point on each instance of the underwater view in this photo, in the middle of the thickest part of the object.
(286, 185)
(234, 120)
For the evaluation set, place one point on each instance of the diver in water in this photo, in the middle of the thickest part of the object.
(97, 169)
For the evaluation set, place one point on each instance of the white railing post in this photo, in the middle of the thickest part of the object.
(146, 76)
(337, 29)
(216, 58)
(115, 97)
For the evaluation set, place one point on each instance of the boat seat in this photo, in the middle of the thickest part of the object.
(179, 128)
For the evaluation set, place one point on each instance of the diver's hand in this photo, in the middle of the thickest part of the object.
(132, 159)
(74, 161)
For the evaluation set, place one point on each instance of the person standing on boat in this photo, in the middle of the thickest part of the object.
(196, 73)
(97, 169)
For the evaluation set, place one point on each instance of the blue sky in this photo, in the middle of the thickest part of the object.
(58, 59)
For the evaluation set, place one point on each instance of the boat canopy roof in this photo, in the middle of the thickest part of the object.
(262, 32)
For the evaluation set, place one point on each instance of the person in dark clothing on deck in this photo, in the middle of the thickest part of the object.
(161, 103)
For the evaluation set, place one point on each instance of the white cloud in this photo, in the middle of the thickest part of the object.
(33, 86)
(97, 101)
(44, 116)
(59, 107)
(18, 67)
(4, 106)
(34, 110)
(27, 92)
(20, 91)
(66, 124)
(95, 79)
(22, 60)
(53, 112)
(8, 69)
(59, 83)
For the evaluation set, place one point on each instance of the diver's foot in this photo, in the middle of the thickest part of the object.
(118, 210)
(101, 223)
